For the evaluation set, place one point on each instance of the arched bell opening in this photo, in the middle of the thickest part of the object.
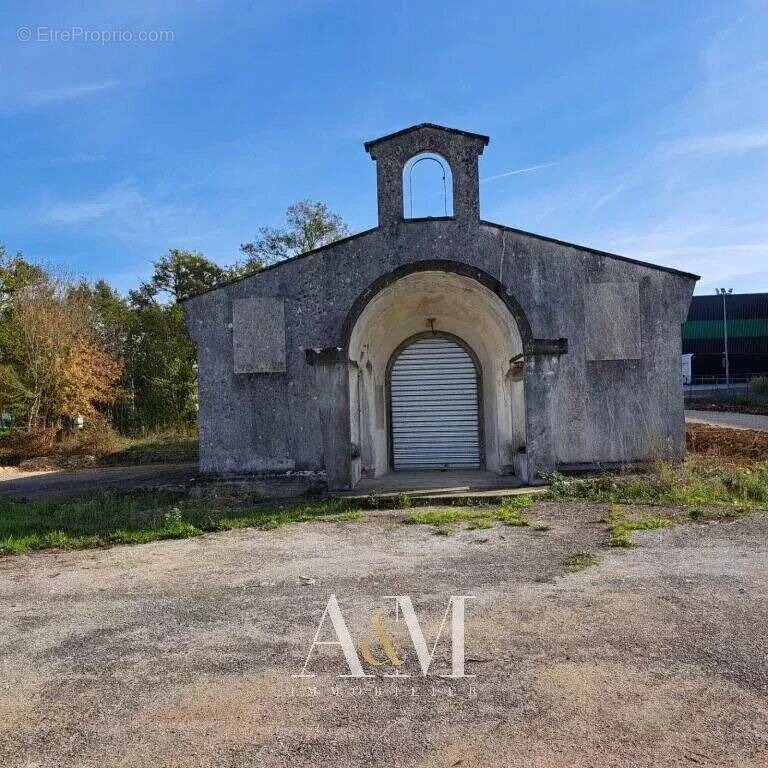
(427, 187)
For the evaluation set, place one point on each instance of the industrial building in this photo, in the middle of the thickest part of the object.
(736, 321)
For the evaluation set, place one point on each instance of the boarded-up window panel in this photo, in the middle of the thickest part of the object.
(258, 335)
(612, 319)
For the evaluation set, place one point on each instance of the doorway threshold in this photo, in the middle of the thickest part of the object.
(436, 484)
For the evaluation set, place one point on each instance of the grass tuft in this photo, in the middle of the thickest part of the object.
(621, 527)
(442, 516)
(698, 513)
(580, 561)
(480, 522)
(403, 501)
(509, 512)
(342, 517)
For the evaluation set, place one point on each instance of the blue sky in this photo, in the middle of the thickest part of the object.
(649, 121)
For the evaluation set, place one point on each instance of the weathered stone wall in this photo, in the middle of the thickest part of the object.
(607, 410)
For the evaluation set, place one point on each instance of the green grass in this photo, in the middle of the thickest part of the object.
(620, 526)
(135, 518)
(580, 561)
(511, 509)
(403, 501)
(697, 482)
(509, 512)
(440, 516)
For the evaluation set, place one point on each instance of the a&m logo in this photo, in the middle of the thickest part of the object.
(389, 657)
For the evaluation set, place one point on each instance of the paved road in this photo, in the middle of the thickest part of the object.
(85, 481)
(735, 420)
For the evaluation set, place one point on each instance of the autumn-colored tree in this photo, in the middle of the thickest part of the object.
(89, 378)
(146, 330)
(54, 365)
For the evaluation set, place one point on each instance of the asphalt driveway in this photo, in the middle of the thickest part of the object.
(727, 419)
(181, 653)
(83, 482)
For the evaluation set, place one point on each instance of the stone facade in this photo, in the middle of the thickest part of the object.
(579, 349)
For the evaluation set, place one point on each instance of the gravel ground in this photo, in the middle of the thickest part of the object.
(180, 653)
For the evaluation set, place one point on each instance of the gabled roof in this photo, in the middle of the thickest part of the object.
(368, 144)
(330, 246)
(279, 264)
(596, 251)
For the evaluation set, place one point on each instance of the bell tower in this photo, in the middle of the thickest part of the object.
(459, 150)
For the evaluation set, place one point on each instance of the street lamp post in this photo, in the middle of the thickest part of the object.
(722, 292)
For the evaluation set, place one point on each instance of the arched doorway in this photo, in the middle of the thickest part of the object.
(423, 301)
(434, 404)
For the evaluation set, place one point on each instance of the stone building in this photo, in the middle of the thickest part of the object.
(446, 342)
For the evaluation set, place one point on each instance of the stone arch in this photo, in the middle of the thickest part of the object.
(416, 299)
(439, 265)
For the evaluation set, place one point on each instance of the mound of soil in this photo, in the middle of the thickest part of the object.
(749, 444)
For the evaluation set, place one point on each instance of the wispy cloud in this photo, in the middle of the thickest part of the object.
(687, 187)
(72, 92)
(77, 212)
(518, 171)
(728, 142)
(714, 245)
(615, 192)
(123, 211)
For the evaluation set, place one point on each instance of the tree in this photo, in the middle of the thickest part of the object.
(179, 274)
(89, 378)
(111, 317)
(54, 365)
(309, 225)
(148, 329)
(16, 273)
(161, 370)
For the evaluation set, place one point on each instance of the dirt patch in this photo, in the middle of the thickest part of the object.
(723, 442)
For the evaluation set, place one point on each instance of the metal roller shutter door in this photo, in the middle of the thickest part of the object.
(434, 401)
